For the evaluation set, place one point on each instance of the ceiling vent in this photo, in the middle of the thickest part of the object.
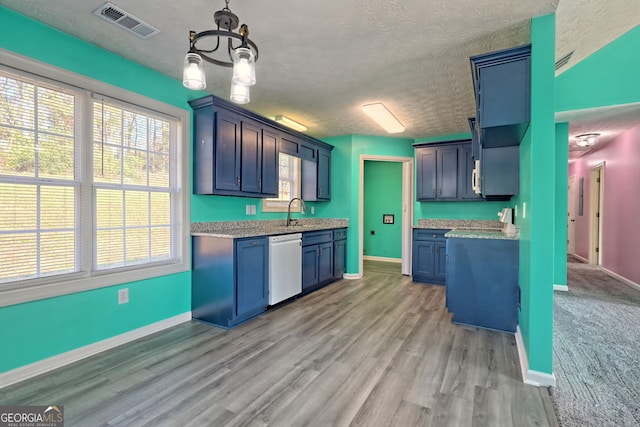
(125, 20)
(563, 61)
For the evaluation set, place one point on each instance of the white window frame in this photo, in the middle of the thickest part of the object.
(86, 279)
(275, 205)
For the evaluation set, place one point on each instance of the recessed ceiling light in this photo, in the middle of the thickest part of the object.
(290, 123)
(587, 139)
(382, 116)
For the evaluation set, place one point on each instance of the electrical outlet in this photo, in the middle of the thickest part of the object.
(313, 210)
(247, 209)
(253, 209)
(123, 296)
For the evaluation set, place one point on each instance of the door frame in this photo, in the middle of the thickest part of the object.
(596, 205)
(407, 208)
(571, 215)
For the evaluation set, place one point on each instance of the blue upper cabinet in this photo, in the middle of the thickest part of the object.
(502, 85)
(426, 160)
(236, 153)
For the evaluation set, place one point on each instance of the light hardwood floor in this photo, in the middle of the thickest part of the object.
(379, 351)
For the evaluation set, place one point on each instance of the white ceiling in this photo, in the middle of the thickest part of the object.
(320, 61)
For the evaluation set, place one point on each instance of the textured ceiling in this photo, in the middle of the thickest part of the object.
(320, 61)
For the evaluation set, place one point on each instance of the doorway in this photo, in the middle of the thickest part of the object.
(406, 208)
(571, 217)
(596, 196)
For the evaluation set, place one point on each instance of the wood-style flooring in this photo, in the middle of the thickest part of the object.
(379, 351)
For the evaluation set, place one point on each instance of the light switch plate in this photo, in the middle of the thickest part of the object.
(123, 296)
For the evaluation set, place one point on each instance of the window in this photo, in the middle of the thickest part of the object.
(89, 187)
(288, 185)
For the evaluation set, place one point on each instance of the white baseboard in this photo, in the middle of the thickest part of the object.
(25, 372)
(564, 288)
(381, 258)
(352, 276)
(529, 376)
(621, 278)
(586, 261)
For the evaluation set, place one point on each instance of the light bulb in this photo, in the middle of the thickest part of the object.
(244, 69)
(239, 93)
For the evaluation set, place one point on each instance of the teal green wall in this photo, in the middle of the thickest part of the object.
(459, 210)
(37, 330)
(562, 205)
(607, 77)
(537, 191)
(382, 195)
(45, 328)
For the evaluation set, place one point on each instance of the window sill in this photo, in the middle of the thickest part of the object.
(60, 286)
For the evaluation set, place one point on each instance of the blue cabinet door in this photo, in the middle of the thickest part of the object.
(309, 267)
(203, 151)
(251, 154)
(251, 269)
(426, 159)
(227, 151)
(270, 142)
(447, 172)
(339, 258)
(325, 262)
(500, 170)
(423, 261)
(324, 174)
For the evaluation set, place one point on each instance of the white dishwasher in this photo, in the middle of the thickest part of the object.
(285, 267)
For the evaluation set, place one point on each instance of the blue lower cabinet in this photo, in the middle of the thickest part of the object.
(229, 279)
(429, 258)
(482, 282)
(323, 258)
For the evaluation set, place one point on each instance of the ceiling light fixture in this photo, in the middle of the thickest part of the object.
(290, 123)
(242, 57)
(587, 139)
(382, 116)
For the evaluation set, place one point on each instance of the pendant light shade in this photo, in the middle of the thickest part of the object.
(239, 93)
(244, 68)
(193, 72)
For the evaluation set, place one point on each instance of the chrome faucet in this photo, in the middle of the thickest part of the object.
(303, 209)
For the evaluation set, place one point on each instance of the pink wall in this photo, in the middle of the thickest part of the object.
(620, 244)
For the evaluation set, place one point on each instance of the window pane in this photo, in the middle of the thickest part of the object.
(110, 249)
(17, 103)
(137, 208)
(18, 256)
(135, 167)
(57, 253)
(160, 136)
(55, 157)
(137, 245)
(107, 163)
(109, 209)
(18, 207)
(160, 209)
(159, 170)
(111, 118)
(135, 130)
(55, 112)
(17, 152)
(160, 243)
(57, 207)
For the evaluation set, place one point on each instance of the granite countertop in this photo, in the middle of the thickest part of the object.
(469, 229)
(241, 229)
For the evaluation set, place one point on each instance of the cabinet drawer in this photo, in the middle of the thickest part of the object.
(339, 233)
(314, 237)
(429, 233)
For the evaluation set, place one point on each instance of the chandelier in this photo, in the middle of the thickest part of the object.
(242, 57)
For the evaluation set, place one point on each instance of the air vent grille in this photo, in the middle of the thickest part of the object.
(125, 20)
(563, 61)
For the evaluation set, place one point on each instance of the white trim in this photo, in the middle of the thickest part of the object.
(586, 261)
(407, 207)
(25, 372)
(529, 376)
(623, 279)
(595, 223)
(48, 287)
(382, 258)
(563, 288)
(352, 276)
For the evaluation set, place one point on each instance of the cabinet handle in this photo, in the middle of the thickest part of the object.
(260, 183)
(255, 243)
(433, 192)
(440, 192)
(238, 180)
(434, 235)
